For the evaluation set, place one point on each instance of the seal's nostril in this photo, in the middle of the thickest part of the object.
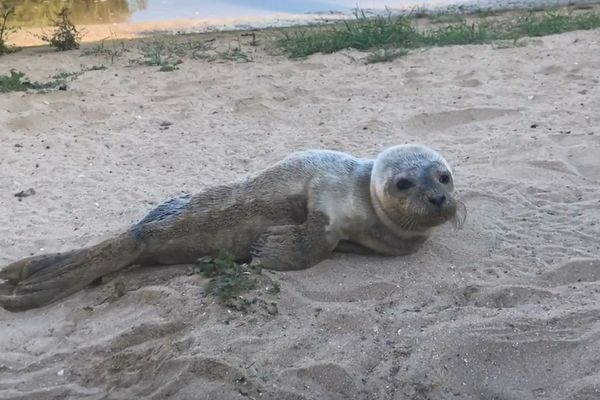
(437, 200)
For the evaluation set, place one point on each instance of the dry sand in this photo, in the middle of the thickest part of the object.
(507, 308)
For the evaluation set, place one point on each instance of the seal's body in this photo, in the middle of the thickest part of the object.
(291, 215)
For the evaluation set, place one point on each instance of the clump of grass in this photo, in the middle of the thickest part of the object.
(360, 34)
(460, 33)
(168, 54)
(254, 42)
(552, 22)
(17, 81)
(238, 287)
(112, 53)
(6, 13)
(65, 36)
(194, 47)
(384, 55)
(235, 54)
(58, 81)
(415, 12)
(228, 278)
(202, 55)
(447, 18)
(275, 288)
(100, 67)
(168, 68)
(401, 32)
(161, 54)
(63, 76)
(156, 54)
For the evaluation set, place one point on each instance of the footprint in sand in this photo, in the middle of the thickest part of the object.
(432, 122)
(576, 270)
(516, 357)
(551, 70)
(374, 291)
(555, 165)
(506, 296)
(585, 159)
(251, 105)
(581, 151)
(467, 80)
(328, 379)
(308, 66)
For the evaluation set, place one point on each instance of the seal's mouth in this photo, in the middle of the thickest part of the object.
(453, 211)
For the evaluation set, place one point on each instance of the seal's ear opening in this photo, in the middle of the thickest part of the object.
(458, 220)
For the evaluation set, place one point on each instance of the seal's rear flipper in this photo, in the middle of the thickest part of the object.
(39, 266)
(40, 280)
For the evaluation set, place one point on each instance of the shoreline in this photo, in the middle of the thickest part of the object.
(98, 32)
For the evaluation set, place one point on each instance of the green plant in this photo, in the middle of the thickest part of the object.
(253, 42)
(385, 55)
(415, 12)
(446, 18)
(116, 50)
(194, 46)
(155, 54)
(95, 68)
(459, 33)
(274, 289)
(16, 81)
(402, 32)
(63, 76)
(65, 36)
(551, 22)
(234, 54)
(362, 33)
(228, 278)
(161, 54)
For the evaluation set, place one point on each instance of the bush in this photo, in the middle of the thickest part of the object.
(6, 12)
(65, 36)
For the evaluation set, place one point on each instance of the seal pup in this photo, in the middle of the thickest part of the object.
(290, 216)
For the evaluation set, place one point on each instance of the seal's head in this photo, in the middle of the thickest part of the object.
(412, 189)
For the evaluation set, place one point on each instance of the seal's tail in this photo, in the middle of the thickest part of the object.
(40, 280)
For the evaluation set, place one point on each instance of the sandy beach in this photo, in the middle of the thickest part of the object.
(507, 308)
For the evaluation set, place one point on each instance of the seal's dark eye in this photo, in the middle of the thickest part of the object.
(404, 184)
(444, 179)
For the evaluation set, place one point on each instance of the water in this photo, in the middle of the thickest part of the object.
(41, 12)
(182, 9)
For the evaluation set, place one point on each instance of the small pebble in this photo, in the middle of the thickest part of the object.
(25, 193)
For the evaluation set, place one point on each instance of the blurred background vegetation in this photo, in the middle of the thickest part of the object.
(40, 13)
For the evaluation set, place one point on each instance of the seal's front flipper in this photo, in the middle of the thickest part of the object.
(294, 247)
(282, 248)
(40, 280)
